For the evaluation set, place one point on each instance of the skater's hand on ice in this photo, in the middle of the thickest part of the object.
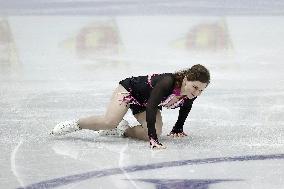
(177, 134)
(155, 144)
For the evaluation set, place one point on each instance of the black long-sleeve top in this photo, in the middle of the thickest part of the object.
(149, 92)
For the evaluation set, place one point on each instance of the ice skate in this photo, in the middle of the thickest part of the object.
(65, 127)
(118, 131)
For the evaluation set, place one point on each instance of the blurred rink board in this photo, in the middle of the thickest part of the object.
(146, 39)
(8, 51)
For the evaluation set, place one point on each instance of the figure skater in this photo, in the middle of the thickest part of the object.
(145, 96)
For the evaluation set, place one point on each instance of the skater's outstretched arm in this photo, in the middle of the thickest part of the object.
(184, 110)
(161, 89)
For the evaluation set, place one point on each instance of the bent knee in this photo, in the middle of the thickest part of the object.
(159, 132)
(158, 128)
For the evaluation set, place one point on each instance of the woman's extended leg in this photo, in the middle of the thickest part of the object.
(114, 113)
(141, 131)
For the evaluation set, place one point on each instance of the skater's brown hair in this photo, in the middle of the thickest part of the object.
(195, 73)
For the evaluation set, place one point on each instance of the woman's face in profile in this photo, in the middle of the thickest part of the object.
(192, 89)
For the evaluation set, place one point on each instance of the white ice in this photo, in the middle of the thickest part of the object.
(235, 129)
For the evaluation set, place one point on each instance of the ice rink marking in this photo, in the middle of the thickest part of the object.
(115, 171)
(13, 162)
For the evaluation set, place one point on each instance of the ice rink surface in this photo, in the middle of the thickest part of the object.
(56, 68)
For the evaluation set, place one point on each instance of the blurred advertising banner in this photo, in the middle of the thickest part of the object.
(98, 39)
(206, 36)
(150, 40)
(8, 54)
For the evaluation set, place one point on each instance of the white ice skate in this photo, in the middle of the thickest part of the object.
(65, 127)
(118, 131)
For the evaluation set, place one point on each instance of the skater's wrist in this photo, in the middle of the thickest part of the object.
(177, 130)
(155, 144)
(153, 136)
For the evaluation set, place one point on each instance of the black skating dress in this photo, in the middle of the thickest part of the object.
(152, 92)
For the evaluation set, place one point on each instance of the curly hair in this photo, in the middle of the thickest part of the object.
(195, 73)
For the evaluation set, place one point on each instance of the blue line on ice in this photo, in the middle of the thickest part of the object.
(115, 171)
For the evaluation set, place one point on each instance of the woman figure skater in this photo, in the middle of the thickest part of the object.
(145, 96)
